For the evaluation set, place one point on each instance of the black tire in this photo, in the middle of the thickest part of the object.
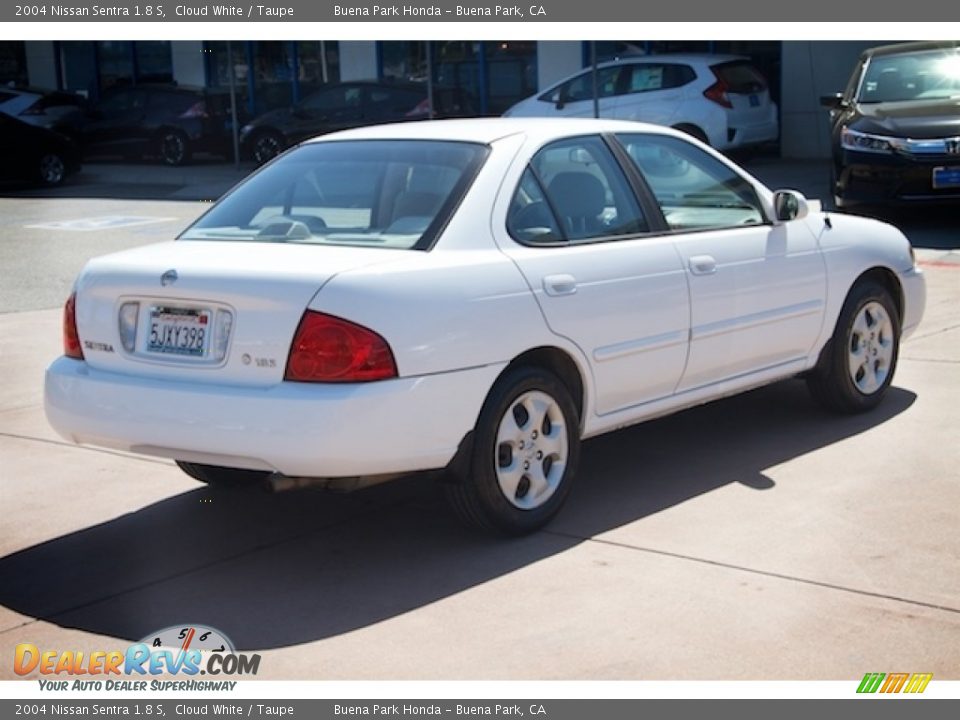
(868, 328)
(839, 202)
(478, 496)
(266, 145)
(173, 148)
(51, 169)
(222, 476)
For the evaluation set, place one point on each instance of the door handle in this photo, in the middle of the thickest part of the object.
(702, 264)
(555, 285)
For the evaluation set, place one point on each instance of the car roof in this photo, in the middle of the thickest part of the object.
(689, 58)
(902, 48)
(489, 130)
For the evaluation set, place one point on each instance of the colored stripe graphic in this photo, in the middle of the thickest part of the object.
(870, 682)
(918, 682)
(894, 682)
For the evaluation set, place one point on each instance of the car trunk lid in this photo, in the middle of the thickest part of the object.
(204, 311)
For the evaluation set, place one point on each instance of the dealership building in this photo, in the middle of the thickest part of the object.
(271, 74)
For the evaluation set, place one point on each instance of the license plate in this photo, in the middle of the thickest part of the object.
(754, 101)
(179, 331)
(946, 177)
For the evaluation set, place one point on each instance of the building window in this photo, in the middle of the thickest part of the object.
(318, 63)
(114, 63)
(13, 63)
(404, 60)
(511, 73)
(154, 62)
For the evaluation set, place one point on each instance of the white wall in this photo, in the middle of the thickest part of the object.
(187, 59)
(808, 71)
(556, 59)
(358, 60)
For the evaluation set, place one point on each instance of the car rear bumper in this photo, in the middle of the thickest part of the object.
(298, 429)
(748, 135)
(875, 178)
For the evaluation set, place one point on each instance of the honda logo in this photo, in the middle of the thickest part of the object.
(952, 145)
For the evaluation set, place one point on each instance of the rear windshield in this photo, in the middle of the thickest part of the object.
(389, 193)
(740, 77)
(929, 75)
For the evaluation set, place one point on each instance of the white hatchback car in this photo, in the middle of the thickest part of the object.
(476, 296)
(721, 100)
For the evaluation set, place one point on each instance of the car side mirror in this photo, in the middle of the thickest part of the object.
(790, 205)
(560, 104)
(831, 102)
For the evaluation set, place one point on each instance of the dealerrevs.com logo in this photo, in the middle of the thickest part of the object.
(185, 650)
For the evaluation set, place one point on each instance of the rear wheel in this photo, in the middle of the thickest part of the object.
(51, 169)
(857, 365)
(173, 148)
(524, 455)
(222, 476)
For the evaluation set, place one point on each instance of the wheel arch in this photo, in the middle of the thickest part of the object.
(882, 276)
(559, 363)
(887, 279)
(546, 357)
(693, 130)
(164, 129)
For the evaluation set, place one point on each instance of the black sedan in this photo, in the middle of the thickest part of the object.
(347, 105)
(896, 128)
(168, 122)
(35, 154)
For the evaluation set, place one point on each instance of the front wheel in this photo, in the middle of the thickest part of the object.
(222, 476)
(525, 451)
(857, 365)
(266, 146)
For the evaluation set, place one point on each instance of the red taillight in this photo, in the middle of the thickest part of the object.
(420, 109)
(197, 110)
(718, 92)
(328, 349)
(71, 340)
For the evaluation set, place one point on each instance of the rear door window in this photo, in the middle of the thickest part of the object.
(647, 77)
(574, 190)
(581, 87)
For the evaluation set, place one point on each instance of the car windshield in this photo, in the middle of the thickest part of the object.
(928, 75)
(388, 193)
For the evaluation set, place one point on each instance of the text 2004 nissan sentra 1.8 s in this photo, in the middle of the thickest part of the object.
(474, 295)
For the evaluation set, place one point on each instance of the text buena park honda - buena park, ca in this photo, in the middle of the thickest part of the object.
(388, 11)
(397, 710)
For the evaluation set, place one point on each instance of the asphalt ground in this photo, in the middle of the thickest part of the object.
(756, 537)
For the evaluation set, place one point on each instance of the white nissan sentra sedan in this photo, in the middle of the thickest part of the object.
(476, 296)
